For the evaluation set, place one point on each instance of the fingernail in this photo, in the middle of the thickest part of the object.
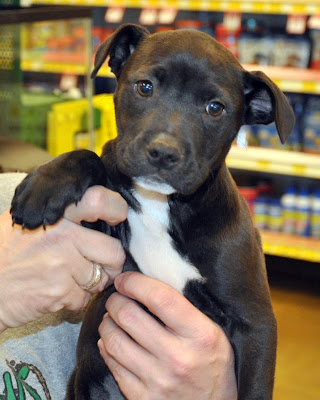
(100, 345)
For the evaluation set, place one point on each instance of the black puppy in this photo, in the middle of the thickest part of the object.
(181, 98)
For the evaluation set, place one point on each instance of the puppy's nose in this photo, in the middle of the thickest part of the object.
(163, 153)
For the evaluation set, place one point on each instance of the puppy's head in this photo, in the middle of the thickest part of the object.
(181, 99)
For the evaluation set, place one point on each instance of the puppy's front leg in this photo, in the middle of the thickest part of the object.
(43, 195)
(256, 362)
(88, 378)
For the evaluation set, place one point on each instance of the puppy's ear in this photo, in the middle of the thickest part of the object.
(266, 103)
(119, 46)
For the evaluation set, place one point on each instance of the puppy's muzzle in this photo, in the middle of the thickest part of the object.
(163, 152)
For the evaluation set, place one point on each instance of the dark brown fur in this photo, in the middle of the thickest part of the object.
(171, 137)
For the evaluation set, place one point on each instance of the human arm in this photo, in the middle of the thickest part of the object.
(41, 271)
(189, 357)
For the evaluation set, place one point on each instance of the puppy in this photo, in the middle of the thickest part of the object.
(180, 101)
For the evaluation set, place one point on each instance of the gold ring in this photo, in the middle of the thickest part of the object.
(96, 277)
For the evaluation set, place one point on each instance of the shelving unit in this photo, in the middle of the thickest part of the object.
(296, 247)
(29, 65)
(293, 80)
(281, 162)
(25, 101)
(275, 161)
(253, 6)
(288, 79)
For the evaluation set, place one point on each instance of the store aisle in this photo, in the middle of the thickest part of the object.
(298, 362)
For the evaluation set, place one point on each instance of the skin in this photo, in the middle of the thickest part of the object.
(186, 358)
(41, 271)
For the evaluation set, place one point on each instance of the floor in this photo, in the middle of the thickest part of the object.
(297, 308)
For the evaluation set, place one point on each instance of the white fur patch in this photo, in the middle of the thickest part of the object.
(149, 184)
(151, 244)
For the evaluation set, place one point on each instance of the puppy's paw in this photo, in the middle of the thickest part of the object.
(43, 195)
(41, 201)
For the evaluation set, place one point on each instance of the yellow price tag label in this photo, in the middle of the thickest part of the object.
(309, 87)
(263, 165)
(299, 169)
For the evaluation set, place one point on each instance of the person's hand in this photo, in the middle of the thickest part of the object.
(44, 271)
(189, 357)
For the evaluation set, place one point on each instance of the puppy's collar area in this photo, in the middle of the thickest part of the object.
(153, 184)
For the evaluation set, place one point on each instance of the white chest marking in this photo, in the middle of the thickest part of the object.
(151, 245)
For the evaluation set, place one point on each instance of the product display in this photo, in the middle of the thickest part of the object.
(315, 58)
(52, 108)
(277, 50)
(305, 135)
(50, 105)
(295, 212)
(311, 125)
(44, 59)
(68, 125)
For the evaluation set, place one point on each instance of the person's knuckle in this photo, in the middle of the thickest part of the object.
(117, 371)
(58, 274)
(127, 314)
(113, 342)
(116, 254)
(58, 295)
(58, 264)
(162, 298)
(53, 237)
(55, 307)
(207, 340)
(95, 198)
(181, 365)
(160, 383)
(79, 303)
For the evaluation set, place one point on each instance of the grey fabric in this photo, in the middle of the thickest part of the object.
(8, 183)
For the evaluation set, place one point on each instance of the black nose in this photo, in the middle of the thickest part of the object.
(163, 153)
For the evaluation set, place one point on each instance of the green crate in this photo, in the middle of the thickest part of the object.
(33, 116)
(9, 3)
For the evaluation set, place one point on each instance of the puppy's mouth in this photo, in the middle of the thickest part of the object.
(183, 176)
(155, 184)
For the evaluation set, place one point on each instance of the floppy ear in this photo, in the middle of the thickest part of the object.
(119, 46)
(266, 103)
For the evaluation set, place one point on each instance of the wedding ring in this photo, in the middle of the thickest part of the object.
(96, 277)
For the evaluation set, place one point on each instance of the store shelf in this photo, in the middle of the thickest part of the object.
(307, 7)
(301, 248)
(294, 80)
(28, 15)
(288, 79)
(274, 161)
(53, 67)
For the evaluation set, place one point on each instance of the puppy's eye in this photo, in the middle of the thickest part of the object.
(214, 108)
(144, 88)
